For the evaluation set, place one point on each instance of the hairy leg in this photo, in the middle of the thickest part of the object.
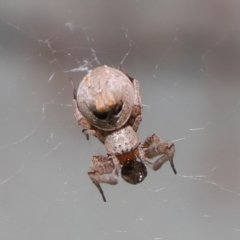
(102, 165)
(154, 146)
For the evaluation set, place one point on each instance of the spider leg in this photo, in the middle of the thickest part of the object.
(137, 107)
(96, 133)
(151, 140)
(154, 146)
(74, 89)
(102, 165)
(121, 68)
(136, 115)
(100, 190)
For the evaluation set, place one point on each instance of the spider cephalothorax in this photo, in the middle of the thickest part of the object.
(108, 105)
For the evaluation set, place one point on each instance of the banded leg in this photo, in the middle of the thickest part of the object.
(137, 107)
(104, 165)
(154, 146)
(98, 134)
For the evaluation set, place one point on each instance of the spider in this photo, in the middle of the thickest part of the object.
(108, 106)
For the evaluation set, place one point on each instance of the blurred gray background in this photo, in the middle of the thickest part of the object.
(186, 55)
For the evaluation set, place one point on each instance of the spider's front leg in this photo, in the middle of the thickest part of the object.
(104, 165)
(154, 146)
(137, 107)
(136, 115)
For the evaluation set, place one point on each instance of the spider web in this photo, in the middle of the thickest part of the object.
(185, 55)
